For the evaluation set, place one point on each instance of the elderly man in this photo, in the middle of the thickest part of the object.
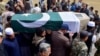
(10, 43)
(60, 45)
(44, 49)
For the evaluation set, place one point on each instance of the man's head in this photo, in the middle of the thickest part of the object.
(96, 11)
(91, 25)
(64, 28)
(9, 33)
(84, 35)
(84, 5)
(36, 5)
(44, 49)
(91, 8)
(40, 32)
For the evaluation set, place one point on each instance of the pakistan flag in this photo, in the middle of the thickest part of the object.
(53, 21)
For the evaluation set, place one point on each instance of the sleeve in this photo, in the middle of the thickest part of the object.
(67, 43)
(94, 39)
(76, 49)
(81, 50)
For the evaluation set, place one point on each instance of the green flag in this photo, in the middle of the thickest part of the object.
(53, 21)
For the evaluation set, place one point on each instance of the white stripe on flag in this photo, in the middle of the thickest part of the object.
(38, 23)
(71, 20)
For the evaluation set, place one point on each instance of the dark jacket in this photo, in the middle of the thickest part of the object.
(12, 47)
(2, 51)
(24, 41)
(85, 10)
(89, 42)
(60, 44)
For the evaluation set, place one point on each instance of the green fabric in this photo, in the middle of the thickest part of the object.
(54, 23)
(31, 17)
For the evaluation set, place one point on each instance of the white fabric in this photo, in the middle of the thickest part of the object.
(42, 21)
(91, 24)
(71, 20)
(9, 31)
(94, 39)
(36, 10)
(93, 48)
(0, 33)
(69, 6)
(8, 13)
(50, 10)
(1, 27)
(79, 4)
(44, 45)
(91, 14)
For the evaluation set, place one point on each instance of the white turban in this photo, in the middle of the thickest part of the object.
(9, 31)
(91, 24)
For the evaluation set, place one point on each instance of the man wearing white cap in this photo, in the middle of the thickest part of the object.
(92, 38)
(10, 43)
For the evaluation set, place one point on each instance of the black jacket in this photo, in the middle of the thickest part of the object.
(2, 51)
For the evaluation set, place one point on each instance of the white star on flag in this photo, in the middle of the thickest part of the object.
(26, 14)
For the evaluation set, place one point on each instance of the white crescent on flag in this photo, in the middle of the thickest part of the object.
(38, 23)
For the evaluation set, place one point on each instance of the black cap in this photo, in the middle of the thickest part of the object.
(83, 34)
(65, 26)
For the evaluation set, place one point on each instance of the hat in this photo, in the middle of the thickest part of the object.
(83, 34)
(1, 34)
(65, 26)
(91, 24)
(9, 31)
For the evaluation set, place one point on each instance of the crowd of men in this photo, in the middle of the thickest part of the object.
(45, 42)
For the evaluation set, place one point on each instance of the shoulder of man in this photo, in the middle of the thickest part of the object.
(77, 48)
